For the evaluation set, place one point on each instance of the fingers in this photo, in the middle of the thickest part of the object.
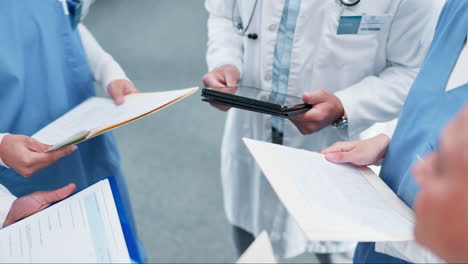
(8, 221)
(309, 122)
(39, 161)
(316, 97)
(50, 197)
(130, 88)
(232, 76)
(58, 154)
(340, 147)
(358, 155)
(340, 157)
(304, 125)
(226, 75)
(33, 203)
(36, 146)
(118, 89)
(221, 77)
(47, 159)
(212, 82)
(118, 95)
(214, 79)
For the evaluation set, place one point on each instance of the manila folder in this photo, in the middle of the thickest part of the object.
(98, 115)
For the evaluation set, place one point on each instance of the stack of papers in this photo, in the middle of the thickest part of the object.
(96, 116)
(333, 202)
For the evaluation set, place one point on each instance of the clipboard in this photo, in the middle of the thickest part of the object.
(257, 100)
(135, 249)
(96, 217)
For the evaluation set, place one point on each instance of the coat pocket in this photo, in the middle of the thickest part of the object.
(359, 51)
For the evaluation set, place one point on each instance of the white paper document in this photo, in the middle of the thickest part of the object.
(99, 115)
(333, 202)
(260, 251)
(84, 228)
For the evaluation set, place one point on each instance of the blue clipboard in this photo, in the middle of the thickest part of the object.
(135, 250)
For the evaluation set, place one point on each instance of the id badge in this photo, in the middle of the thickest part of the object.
(360, 25)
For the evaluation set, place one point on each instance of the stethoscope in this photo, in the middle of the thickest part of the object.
(241, 30)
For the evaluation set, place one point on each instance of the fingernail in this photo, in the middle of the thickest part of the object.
(74, 148)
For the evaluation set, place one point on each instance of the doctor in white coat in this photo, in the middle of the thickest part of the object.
(354, 63)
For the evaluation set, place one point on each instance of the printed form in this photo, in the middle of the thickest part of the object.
(84, 228)
(333, 202)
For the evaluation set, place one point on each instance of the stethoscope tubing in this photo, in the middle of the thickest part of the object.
(241, 30)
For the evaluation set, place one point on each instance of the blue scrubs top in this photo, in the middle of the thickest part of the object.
(427, 111)
(44, 73)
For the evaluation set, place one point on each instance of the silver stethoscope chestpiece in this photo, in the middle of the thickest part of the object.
(350, 2)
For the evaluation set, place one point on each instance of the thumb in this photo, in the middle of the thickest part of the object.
(50, 197)
(36, 146)
(339, 147)
(231, 79)
(60, 153)
(118, 95)
(339, 157)
(315, 97)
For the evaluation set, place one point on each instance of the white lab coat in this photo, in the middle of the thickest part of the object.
(371, 74)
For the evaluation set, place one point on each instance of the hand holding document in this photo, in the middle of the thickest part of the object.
(89, 227)
(333, 202)
(96, 116)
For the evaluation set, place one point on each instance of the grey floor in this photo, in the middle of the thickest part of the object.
(171, 159)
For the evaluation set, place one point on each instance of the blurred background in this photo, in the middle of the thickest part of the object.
(171, 159)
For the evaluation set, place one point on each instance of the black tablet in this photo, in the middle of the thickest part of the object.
(257, 100)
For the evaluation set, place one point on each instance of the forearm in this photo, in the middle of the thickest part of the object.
(381, 98)
(103, 66)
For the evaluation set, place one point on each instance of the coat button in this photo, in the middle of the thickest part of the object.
(273, 27)
(268, 77)
(284, 78)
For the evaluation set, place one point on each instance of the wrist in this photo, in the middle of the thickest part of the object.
(2, 136)
(342, 120)
(382, 141)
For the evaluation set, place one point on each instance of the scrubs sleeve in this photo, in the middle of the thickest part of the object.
(381, 97)
(1, 161)
(103, 66)
(225, 46)
(6, 200)
(409, 251)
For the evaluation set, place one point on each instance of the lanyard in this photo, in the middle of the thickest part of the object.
(65, 7)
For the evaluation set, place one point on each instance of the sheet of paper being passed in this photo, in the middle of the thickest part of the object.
(84, 228)
(333, 202)
(260, 251)
(97, 115)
